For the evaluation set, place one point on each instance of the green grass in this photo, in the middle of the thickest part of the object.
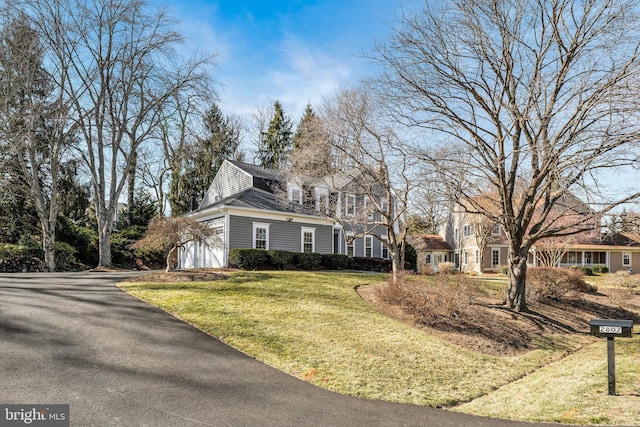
(314, 326)
(573, 390)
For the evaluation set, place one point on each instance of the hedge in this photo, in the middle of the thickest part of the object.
(260, 259)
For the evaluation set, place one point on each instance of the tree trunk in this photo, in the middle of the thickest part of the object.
(517, 271)
(48, 246)
(131, 182)
(397, 259)
(105, 228)
(172, 259)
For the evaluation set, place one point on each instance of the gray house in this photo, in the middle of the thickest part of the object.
(252, 207)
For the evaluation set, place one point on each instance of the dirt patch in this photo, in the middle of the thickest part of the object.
(487, 326)
(196, 275)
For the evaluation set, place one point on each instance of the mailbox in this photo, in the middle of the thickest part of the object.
(606, 328)
(610, 329)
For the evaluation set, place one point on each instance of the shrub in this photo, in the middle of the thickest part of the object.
(626, 280)
(84, 239)
(372, 264)
(410, 258)
(310, 261)
(10, 250)
(337, 262)
(426, 269)
(428, 301)
(65, 256)
(282, 260)
(582, 268)
(249, 259)
(555, 283)
(600, 269)
(446, 267)
(504, 269)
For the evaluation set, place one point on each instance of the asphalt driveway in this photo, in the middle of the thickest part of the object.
(77, 339)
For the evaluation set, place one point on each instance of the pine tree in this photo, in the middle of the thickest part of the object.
(276, 144)
(205, 157)
(311, 150)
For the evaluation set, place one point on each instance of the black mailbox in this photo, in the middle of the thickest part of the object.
(611, 328)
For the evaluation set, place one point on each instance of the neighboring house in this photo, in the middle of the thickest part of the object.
(431, 251)
(252, 207)
(481, 246)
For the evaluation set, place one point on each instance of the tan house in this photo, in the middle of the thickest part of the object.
(432, 250)
(481, 246)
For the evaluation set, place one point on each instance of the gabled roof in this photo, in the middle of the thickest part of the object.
(258, 171)
(429, 242)
(255, 198)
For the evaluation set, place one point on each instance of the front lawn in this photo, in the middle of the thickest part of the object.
(316, 327)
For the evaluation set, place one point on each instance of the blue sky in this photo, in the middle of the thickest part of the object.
(292, 51)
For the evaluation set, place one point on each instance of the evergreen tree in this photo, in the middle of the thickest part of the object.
(276, 143)
(75, 198)
(311, 150)
(32, 130)
(205, 157)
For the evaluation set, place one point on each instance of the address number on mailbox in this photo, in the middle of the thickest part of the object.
(610, 329)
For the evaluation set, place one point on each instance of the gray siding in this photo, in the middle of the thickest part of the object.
(359, 243)
(229, 180)
(283, 235)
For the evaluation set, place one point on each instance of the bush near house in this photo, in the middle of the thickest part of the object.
(600, 269)
(259, 259)
(337, 262)
(584, 269)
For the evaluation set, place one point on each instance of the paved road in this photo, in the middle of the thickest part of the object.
(77, 339)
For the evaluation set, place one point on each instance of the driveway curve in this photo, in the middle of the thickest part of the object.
(75, 338)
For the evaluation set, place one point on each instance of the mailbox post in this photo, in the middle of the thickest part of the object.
(611, 329)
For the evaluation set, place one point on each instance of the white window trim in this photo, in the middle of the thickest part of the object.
(630, 259)
(257, 225)
(350, 236)
(311, 230)
(346, 204)
(291, 189)
(383, 247)
(495, 229)
(365, 206)
(320, 193)
(368, 245)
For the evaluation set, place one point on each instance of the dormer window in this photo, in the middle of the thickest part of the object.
(295, 193)
(350, 204)
(322, 200)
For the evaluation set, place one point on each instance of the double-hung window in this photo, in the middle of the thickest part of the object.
(307, 239)
(626, 259)
(384, 250)
(350, 204)
(260, 235)
(368, 246)
(351, 249)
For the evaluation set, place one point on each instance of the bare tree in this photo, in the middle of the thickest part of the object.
(171, 234)
(118, 65)
(371, 165)
(523, 99)
(34, 127)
